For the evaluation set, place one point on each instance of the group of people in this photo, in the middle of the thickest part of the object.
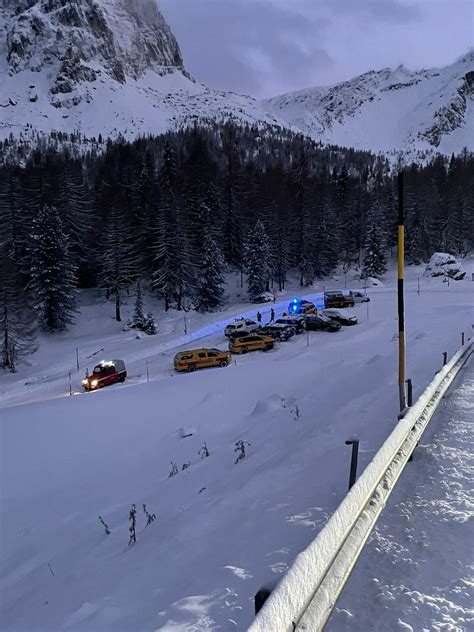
(272, 316)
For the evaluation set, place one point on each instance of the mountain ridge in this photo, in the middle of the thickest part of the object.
(111, 67)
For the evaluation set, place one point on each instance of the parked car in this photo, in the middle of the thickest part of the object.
(337, 299)
(297, 322)
(201, 358)
(104, 374)
(301, 306)
(344, 319)
(358, 296)
(264, 297)
(278, 331)
(319, 321)
(243, 325)
(252, 342)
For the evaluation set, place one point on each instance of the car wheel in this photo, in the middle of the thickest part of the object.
(244, 351)
(191, 368)
(223, 363)
(268, 346)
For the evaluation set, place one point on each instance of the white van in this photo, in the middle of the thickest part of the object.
(243, 325)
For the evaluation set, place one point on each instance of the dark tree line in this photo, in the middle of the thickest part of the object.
(176, 211)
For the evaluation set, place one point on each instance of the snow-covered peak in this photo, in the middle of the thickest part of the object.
(388, 109)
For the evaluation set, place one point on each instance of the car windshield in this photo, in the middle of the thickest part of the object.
(99, 369)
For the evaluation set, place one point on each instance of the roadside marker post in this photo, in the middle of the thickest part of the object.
(70, 384)
(354, 457)
(400, 293)
(410, 392)
(445, 358)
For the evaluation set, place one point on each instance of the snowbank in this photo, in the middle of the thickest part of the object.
(296, 590)
(444, 264)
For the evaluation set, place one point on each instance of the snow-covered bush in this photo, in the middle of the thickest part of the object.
(132, 516)
(139, 320)
(263, 297)
(444, 264)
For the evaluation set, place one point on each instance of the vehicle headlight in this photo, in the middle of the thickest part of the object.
(94, 382)
(84, 381)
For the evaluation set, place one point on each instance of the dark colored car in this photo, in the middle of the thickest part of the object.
(278, 331)
(344, 319)
(297, 322)
(337, 299)
(319, 321)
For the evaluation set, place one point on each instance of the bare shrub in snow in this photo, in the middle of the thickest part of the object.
(132, 516)
(174, 470)
(106, 526)
(240, 448)
(204, 452)
(186, 465)
(149, 517)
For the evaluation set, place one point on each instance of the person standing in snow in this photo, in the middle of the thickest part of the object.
(272, 314)
(259, 317)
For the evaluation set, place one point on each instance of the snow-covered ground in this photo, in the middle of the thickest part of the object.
(222, 529)
(416, 572)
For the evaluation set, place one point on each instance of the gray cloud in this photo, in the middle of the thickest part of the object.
(265, 47)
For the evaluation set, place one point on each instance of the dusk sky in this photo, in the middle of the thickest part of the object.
(266, 47)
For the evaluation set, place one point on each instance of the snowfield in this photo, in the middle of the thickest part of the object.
(222, 529)
(420, 554)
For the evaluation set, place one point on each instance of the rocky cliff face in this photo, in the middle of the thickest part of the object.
(77, 41)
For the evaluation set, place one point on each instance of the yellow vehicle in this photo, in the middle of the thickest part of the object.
(251, 342)
(201, 358)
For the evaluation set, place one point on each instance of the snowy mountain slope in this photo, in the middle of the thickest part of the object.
(222, 530)
(101, 67)
(388, 109)
(114, 67)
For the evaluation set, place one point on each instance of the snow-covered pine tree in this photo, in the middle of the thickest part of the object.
(210, 289)
(117, 262)
(232, 192)
(138, 318)
(74, 207)
(185, 266)
(213, 203)
(375, 261)
(257, 260)
(17, 319)
(306, 255)
(143, 196)
(53, 272)
(165, 231)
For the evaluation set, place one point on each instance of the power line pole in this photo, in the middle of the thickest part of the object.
(401, 307)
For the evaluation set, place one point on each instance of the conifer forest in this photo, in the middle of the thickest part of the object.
(175, 212)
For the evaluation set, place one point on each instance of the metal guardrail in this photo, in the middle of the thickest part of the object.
(307, 594)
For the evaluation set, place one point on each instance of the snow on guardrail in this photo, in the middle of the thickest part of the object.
(307, 594)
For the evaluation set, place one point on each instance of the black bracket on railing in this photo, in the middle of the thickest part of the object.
(260, 598)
